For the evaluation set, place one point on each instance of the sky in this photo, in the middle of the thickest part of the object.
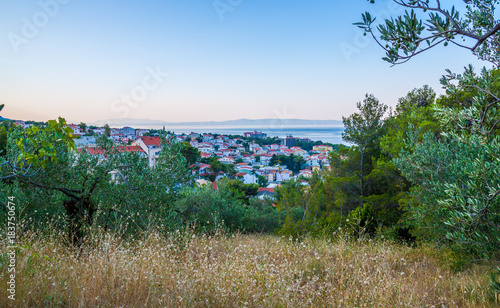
(201, 60)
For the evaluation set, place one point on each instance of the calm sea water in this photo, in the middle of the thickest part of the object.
(325, 133)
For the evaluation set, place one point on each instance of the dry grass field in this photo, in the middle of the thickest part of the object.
(238, 271)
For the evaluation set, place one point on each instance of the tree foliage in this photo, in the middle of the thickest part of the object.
(231, 207)
(454, 199)
(364, 130)
(292, 162)
(408, 35)
(304, 209)
(414, 111)
(191, 153)
(102, 188)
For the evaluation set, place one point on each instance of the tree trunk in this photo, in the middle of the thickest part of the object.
(79, 213)
(361, 178)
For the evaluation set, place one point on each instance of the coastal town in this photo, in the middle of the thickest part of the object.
(247, 158)
(233, 153)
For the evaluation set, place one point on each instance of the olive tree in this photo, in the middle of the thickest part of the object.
(408, 35)
(455, 194)
(91, 186)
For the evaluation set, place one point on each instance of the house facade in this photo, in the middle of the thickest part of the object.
(151, 146)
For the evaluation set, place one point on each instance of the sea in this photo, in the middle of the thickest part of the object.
(324, 133)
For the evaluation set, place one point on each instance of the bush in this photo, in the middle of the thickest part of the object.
(260, 216)
(206, 209)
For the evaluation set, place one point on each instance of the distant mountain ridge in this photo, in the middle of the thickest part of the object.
(239, 122)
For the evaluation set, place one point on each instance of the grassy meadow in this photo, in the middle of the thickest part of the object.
(186, 270)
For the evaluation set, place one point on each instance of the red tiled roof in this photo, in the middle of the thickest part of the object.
(95, 151)
(151, 140)
(129, 149)
(262, 189)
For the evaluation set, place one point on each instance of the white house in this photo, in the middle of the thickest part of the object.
(306, 173)
(151, 146)
(84, 141)
(208, 138)
(227, 160)
(99, 131)
(282, 176)
(247, 178)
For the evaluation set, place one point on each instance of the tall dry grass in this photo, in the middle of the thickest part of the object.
(182, 270)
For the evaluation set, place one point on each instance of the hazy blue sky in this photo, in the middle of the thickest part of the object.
(197, 60)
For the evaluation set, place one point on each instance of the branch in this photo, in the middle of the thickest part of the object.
(68, 192)
(16, 171)
(407, 58)
(483, 38)
(187, 211)
(123, 177)
(438, 9)
(489, 105)
(484, 211)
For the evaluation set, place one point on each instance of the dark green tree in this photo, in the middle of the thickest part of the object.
(262, 181)
(191, 154)
(242, 192)
(364, 130)
(107, 130)
(305, 209)
(292, 162)
(83, 127)
(207, 210)
(5, 127)
(414, 111)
